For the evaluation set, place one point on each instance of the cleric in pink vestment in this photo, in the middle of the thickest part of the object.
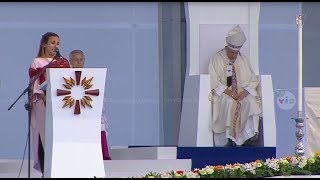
(77, 60)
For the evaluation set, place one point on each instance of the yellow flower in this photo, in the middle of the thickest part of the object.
(259, 164)
(311, 160)
(285, 162)
(209, 171)
(236, 167)
(202, 172)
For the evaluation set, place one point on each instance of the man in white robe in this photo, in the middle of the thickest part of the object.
(235, 102)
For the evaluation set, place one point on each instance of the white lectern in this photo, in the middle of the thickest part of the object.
(73, 122)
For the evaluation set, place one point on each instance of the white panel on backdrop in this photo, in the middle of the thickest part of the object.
(312, 120)
(196, 117)
(265, 90)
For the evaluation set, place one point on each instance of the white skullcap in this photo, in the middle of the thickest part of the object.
(235, 38)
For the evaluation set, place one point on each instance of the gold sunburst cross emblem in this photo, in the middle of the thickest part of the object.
(85, 100)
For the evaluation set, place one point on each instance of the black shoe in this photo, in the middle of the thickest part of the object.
(230, 143)
(251, 141)
(247, 143)
(255, 137)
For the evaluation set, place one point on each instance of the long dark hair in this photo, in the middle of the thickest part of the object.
(44, 40)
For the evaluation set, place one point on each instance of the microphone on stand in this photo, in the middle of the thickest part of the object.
(56, 58)
(58, 55)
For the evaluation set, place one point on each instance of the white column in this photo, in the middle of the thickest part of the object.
(299, 149)
(299, 23)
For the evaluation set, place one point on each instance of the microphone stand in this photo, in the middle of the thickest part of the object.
(28, 106)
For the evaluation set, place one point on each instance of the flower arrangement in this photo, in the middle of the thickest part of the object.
(291, 165)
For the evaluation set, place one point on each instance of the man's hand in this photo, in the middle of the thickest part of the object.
(232, 94)
(242, 95)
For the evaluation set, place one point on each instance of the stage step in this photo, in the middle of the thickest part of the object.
(9, 168)
(201, 156)
(113, 168)
(137, 161)
(138, 168)
(132, 153)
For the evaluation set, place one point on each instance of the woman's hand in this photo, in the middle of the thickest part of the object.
(42, 97)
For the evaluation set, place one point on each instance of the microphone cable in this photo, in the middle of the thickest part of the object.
(24, 153)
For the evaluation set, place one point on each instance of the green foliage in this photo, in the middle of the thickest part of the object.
(291, 165)
(152, 175)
